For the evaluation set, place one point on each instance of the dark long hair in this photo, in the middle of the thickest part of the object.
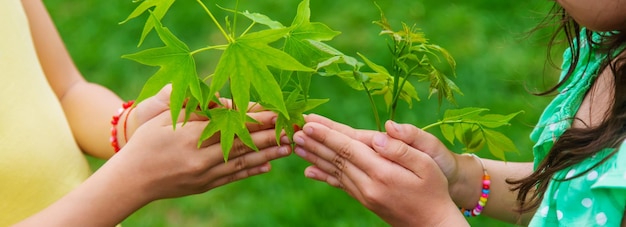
(578, 144)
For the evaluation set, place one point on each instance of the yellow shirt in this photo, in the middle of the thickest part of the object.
(39, 159)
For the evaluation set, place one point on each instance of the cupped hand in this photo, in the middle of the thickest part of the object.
(162, 162)
(401, 184)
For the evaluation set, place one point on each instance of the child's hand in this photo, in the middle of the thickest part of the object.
(401, 184)
(428, 144)
(167, 163)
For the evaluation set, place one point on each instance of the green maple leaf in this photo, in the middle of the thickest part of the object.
(262, 19)
(296, 105)
(160, 8)
(245, 64)
(298, 41)
(177, 66)
(230, 124)
(301, 43)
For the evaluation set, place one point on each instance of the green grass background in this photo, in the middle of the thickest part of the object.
(497, 67)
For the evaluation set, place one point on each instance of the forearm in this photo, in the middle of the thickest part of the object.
(502, 201)
(105, 199)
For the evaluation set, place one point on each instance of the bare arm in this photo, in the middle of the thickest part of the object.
(88, 106)
(465, 190)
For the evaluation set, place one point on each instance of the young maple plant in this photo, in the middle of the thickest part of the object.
(271, 65)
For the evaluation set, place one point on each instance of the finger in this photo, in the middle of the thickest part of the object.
(265, 119)
(332, 144)
(243, 166)
(164, 119)
(163, 96)
(252, 106)
(338, 149)
(404, 155)
(253, 171)
(424, 142)
(159, 103)
(315, 173)
(411, 135)
(262, 139)
(331, 173)
(365, 136)
(182, 117)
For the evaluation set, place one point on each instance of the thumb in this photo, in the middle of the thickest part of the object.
(414, 137)
(425, 143)
(401, 153)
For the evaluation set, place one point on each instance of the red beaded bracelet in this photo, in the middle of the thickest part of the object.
(484, 195)
(115, 120)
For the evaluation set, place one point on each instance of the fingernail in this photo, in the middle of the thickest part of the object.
(298, 140)
(300, 152)
(380, 140)
(284, 140)
(283, 151)
(309, 174)
(265, 168)
(308, 130)
(274, 120)
(396, 126)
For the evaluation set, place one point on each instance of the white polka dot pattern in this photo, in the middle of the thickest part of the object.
(570, 174)
(587, 202)
(592, 175)
(601, 218)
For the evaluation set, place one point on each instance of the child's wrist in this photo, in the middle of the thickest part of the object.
(466, 189)
(485, 190)
(119, 125)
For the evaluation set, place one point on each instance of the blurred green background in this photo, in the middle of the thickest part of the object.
(498, 67)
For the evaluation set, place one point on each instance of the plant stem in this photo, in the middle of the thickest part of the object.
(207, 77)
(397, 50)
(447, 122)
(396, 97)
(394, 100)
(228, 37)
(374, 109)
(209, 48)
(247, 29)
(432, 125)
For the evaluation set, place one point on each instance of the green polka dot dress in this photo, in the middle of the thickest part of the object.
(598, 198)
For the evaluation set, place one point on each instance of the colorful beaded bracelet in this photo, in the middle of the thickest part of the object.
(484, 195)
(115, 120)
